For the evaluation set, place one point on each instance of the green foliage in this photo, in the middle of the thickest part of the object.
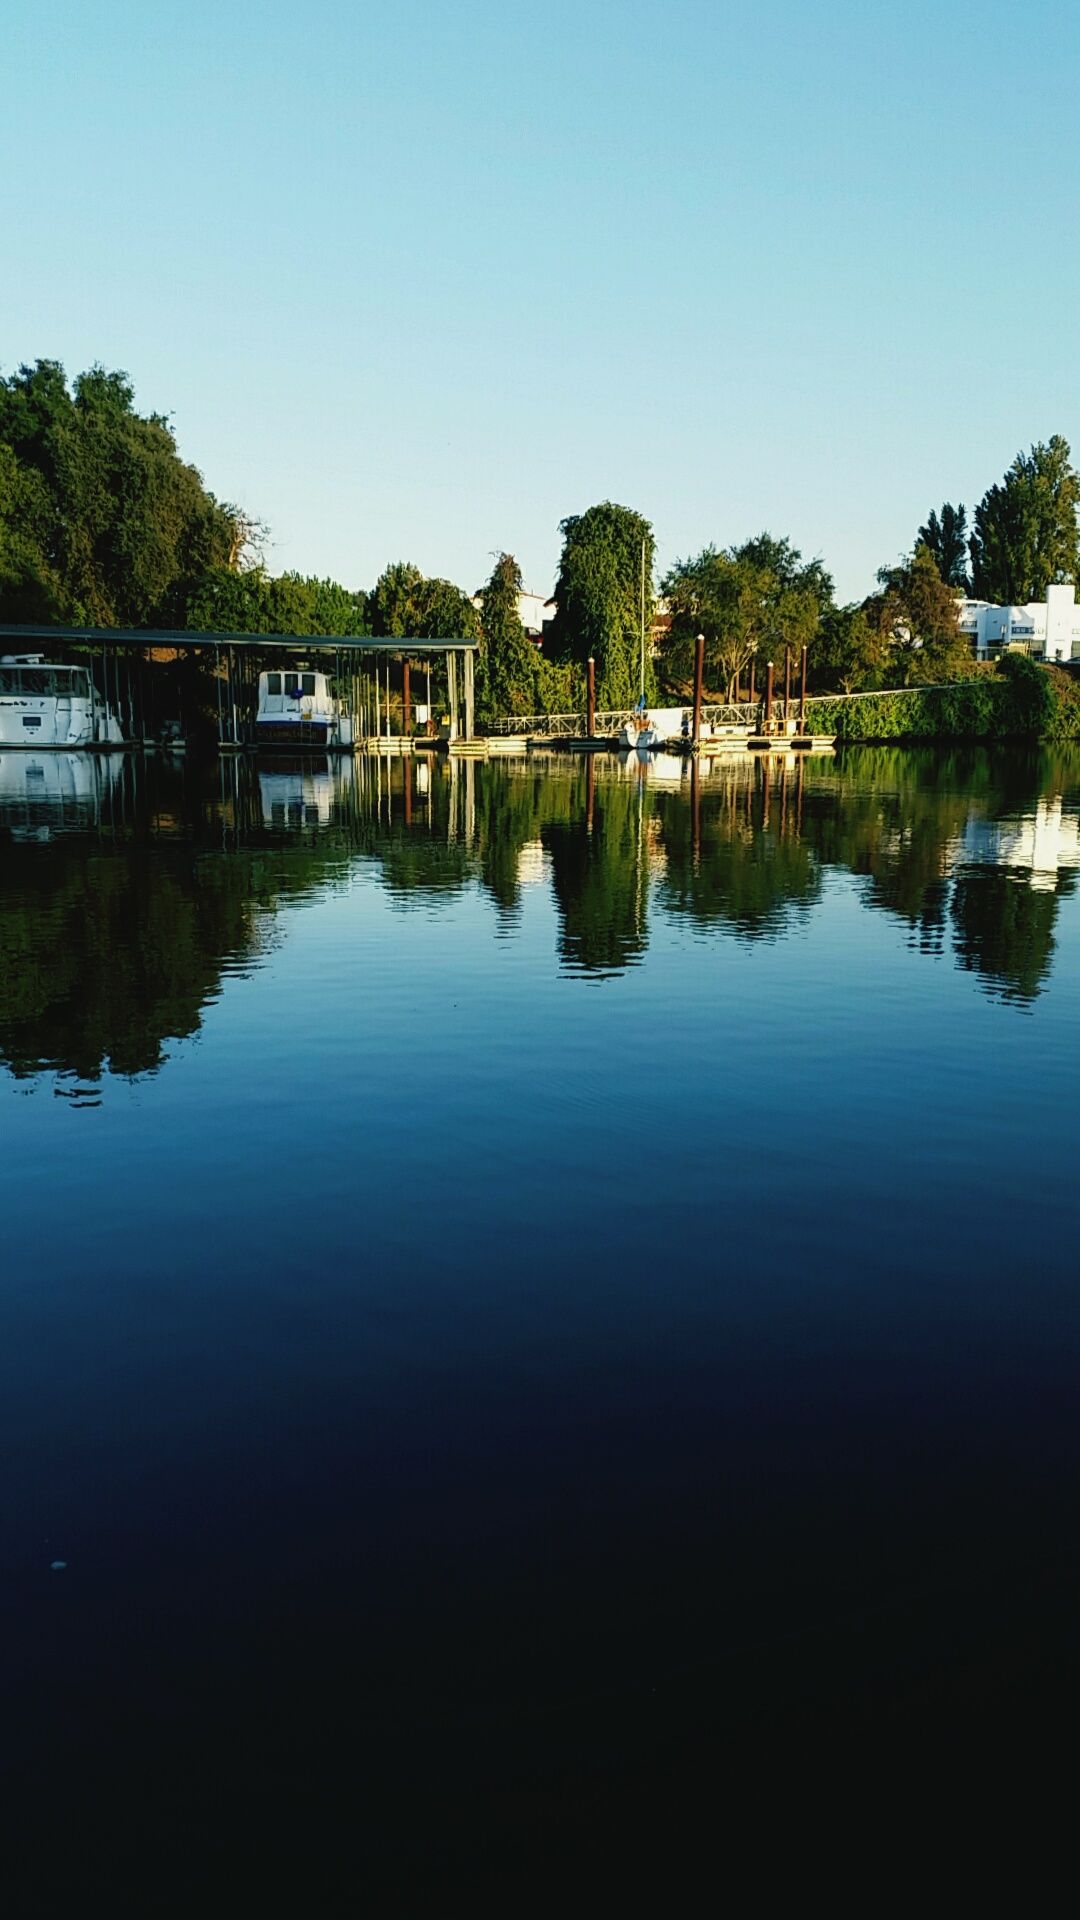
(850, 651)
(403, 603)
(442, 612)
(1026, 536)
(946, 540)
(916, 614)
(598, 596)
(257, 602)
(100, 519)
(750, 602)
(507, 681)
(1020, 701)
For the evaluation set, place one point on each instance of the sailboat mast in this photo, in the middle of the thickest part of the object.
(642, 687)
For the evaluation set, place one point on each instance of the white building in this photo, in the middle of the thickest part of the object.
(1049, 629)
(532, 608)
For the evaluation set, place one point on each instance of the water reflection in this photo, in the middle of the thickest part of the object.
(129, 886)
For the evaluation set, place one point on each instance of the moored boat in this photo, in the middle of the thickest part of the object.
(298, 712)
(44, 704)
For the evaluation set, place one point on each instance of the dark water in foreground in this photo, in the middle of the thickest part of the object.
(523, 1285)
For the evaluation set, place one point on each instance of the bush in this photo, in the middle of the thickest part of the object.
(1021, 701)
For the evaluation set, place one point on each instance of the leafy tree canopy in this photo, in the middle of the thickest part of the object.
(598, 596)
(256, 602)
(402, 602)
(946, 538)
(1026, 536)
(916, 617)
(100, 519)
(749, 601)
(508, 663)
(850, 652)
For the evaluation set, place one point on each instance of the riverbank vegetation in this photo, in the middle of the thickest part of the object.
(103, 523)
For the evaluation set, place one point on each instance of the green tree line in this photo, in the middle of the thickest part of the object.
(102, 522)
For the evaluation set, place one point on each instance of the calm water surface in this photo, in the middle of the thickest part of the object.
(520, 1280)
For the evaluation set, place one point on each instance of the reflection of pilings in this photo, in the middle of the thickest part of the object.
(407, 773)
(695, 808)
(590, 785)
(783, 797)
(470, 798)
(799, 787)
(699, 684)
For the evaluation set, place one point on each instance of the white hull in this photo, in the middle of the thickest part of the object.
(44, 707)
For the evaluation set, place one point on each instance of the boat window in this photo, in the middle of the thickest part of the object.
(273, 683)
(308, 682)
(36, 680)
(9, 680)
(292, 685)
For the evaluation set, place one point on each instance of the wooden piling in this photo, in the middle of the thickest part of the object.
(787, 686)
(768, 696)
(590, 719)
(802, 696)
(406, 699)
(699, 684)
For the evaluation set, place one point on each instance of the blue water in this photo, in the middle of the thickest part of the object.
(521, 1281)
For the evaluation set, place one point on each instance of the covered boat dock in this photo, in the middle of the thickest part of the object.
(123, 659)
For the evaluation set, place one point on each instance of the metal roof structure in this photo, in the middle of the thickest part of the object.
(17, 636)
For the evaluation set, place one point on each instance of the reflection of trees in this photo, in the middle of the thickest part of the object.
(599, 872)
(114, 934)
(739, 859)
(103, 958)
(1003, 928)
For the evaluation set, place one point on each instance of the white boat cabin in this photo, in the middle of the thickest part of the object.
(296, 709)
(52, 706)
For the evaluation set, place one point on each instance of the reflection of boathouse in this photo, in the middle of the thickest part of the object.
(1042, 844)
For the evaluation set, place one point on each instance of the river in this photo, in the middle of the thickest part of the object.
(523, 1278)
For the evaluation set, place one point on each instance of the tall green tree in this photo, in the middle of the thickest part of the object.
(945, 535)
(751, 602)
(391, 610)
(1026, 536)
(100, 519)
(598, 597)
(916, 615)
(850, 652)
(442, 612)
(507, 682)
(253, 601)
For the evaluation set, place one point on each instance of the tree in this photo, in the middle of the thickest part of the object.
(849, 653)
(916, 616)
(751, 602)
(257, 602)
(442, 612)
(508, 659)
(390, 603)
(606, 552)
(100, 519)
(727, 601)
(1026, 536)
(947, 539)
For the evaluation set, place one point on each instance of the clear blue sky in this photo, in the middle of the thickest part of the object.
(416, 281)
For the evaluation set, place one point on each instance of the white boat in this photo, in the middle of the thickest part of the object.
(304, 796)
(50, 705)
(639, 734)
(297, 711)
(46, 794)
